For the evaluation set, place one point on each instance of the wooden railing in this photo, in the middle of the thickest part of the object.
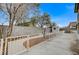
(16, 38)
(12, 38)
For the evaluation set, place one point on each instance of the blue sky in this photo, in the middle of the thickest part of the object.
(3, 18)
(60, 13)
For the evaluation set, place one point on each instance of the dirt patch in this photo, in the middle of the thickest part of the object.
(75, 47)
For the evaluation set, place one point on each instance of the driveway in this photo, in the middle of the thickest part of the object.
(59, 45)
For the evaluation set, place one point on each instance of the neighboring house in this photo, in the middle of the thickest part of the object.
(72, 25)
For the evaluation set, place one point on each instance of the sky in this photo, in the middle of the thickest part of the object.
(60, 13)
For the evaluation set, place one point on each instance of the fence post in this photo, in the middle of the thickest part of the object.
(28, 44)
(6, 46)
(3, 46)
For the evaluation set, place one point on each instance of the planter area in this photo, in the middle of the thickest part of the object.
(36, 40)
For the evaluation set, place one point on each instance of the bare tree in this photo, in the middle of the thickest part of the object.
(15, 12)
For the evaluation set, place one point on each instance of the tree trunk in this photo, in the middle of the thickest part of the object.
(10, 30)
(8, 35)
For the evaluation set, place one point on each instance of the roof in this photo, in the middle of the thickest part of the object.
(72, 24)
